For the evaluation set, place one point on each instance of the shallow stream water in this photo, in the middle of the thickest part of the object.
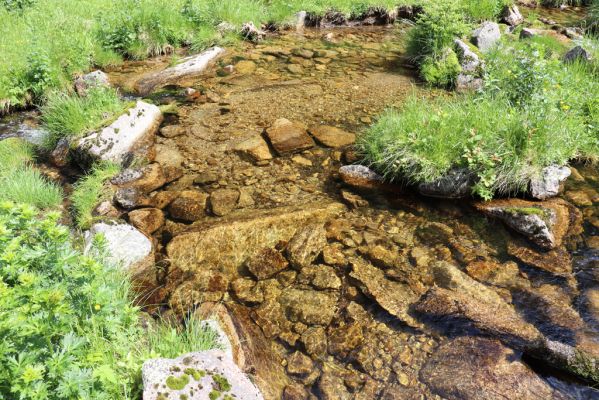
(333, 339)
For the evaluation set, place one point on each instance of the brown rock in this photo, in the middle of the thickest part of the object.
(331, 385)
(295, 392)
(394, 297)
(267, 263)
(360, 177)
(204, 286)
(558, 261)
(309, 306)
(189, 206)
(146, 179)
(288, 137)
(106, 209)
(162, 199)
(332, 255)
(472, 368)
(320, 276)
(270, 317)
(344, 339)
(130, 198)
(172, 131)
(306, 245)
(223, 201)
(247, 291)
(315, 341)
(147, 220)
(299, 364)
(255, 148)
(330, 136)
(245, 67)
(353, 200)
(230, 242)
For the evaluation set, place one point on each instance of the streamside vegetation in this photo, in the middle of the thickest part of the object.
(534, 111)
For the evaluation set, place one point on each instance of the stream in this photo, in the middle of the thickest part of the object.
(336, 327)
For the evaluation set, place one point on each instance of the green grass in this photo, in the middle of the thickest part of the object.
(72, 116)
(535, 111)
(20, 182)
(90, 191)
(68, 323)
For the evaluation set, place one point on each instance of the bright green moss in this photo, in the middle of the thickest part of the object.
(221, 382)
(175, 383)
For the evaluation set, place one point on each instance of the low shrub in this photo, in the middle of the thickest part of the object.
(16, 5)
(68, 326)
(90, 191)
(70, 115)
(441, 70)
(483, 10)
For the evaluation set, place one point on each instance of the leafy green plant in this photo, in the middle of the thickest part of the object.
(16, 5)
(90, 191)
(68, 326)
(72, 116)
(441, 70)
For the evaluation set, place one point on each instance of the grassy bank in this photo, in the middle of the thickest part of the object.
(534, 111)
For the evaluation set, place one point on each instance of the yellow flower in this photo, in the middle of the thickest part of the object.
(97, 307)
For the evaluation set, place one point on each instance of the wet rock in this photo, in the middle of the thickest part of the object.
(146, 179)
(511, 15)
(126, 246)
(301, 161)
(255, 148)
(353, 200)
(314, 340)
(267, 263)
(486, 36)
(223, 201)
(171, 131)
(163, 199)
(206, 178)
(549, 183)
(558, 261)
(360, 177)
(320, 276)
(344, 339)
(194, 376)
(473, 368)
(147, 220)
(310, 307)
(245, 67)
(579, 197)
(288, 137)
(121, 138)
(396, 298)
(331, 385)
(270, 317)
(168, 156)
(106, 209)
(306, 245)
(295, 392)
(189, 206)
(91, 80)
(60, 155)
(577, 53)
(299, 364)
(333, 255)
(545, 224)
(203, 286)
(502, 275)
(330, 136)
(130, 198)
(247, 291)
(233, 240)
(188, 67)
(251, 33)
(457, 183)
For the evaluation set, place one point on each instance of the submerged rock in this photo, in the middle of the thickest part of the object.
(223, 201)
(550, 182)
(474, 368)
(395, 297)
(231, 241)
(267, 263)
(189, 206)
(146, 179)
(360, 177)
(255, 148)
(289, 137)
(306, 245)
(188, 67)
(147, 220)
(196, 376)
(310, 307)
(457, 183)
(486, 36)
(123, 137)
(331, 136)
(545, 224)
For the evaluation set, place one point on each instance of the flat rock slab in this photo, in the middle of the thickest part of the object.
(331, 136)
(288, 137)
(197, 376)
(188, 67)
(115, 142)
(473, 368)
(229, 242)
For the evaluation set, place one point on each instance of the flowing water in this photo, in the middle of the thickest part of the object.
(324, 330)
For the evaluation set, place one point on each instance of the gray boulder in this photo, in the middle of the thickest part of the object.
(469, 60)
(577, 53)
(511, 15)
(197, 376)
(457, 183)
(117, 141)
(486, 36)
(93, 79)
(549, 183)
(126, 246)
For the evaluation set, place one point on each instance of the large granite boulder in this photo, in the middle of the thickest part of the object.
(550, 182)
(486, 36)
(188, 67)
(123, 137)
(196, 376)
